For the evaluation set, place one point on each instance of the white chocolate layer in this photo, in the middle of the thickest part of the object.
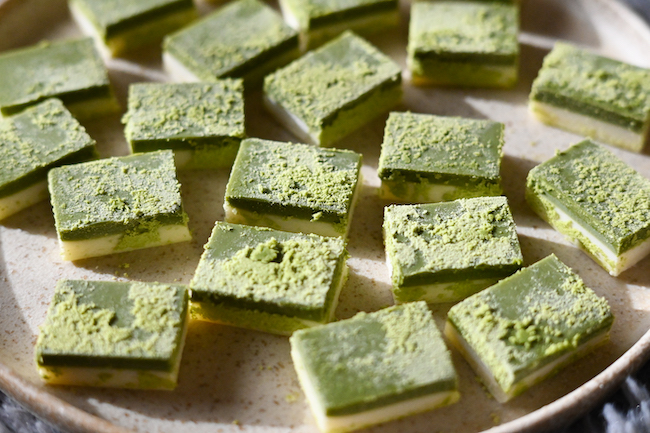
(586, 125)
(77, 250)
(604, 254)
(20, 200)
(177, 71)
(344, 423)
(517, 388)
(294, 124)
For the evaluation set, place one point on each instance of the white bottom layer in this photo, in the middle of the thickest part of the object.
(602, 253)
(344, 423)
(177, 71)
(443, 292)
(586, 125)
(20, 200)
(116, 378)
(295, 125)
(518, 387)
(77, 250)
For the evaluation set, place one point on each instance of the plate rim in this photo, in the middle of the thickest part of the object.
(561, 411)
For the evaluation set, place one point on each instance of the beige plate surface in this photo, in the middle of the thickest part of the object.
(236, 380)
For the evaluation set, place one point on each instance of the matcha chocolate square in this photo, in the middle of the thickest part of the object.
(293, 187)
(268, 280)
(243, 39)
(464, 43)
(117, 204)
(594, 96)
(120, 26)
(332, 91)
(426, 158)
(374, 368)
(203, 123)
(528, 326)
(321, 20)
(31, 143)
(444, 252)
(597, 201)
(113, 334)
(70, 70)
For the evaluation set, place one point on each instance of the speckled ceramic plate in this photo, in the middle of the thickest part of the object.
(238, 380)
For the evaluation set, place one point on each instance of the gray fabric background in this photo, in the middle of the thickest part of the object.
(626, 411)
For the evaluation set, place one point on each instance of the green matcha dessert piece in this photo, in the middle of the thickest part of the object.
(120, 26)
(321, 20)
(597, 201)
(528, 326)
(113, 334)
(444, 252)
(594, 96)
(268, 280)
(330, 92)
(244, 39)
(467, 44)
(293, 187)
(117, 204)
(426, 158)
(70, 70)
(374, 368)
(31, 143)
(203, 123)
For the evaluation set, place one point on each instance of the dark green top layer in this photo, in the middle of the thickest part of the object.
(113, 16)
(600, 189)
(269, 270)
(460, 240)
(185, 111)
(607, 89)
(41, 137)
(66, 69)
(232, 41)
(294, 180)
(317, 86)
(373, 360)
(530, 319)
(113, 324)
(441, 149)
(130, 194)
(311, 14)
(464, 31)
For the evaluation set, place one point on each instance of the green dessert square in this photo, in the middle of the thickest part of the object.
(113, 334)
(528, 326)
(117, 204)
(70, 70)
(374, 368)
(597, 201)
(293, 187)
(468, 43)
(332, 91)
(321, 20)
(244, 39)
(594, 96)
(426, 158)
(444, 252)
(31, 143)
(268, 280)
(120, 26)
(203, 123)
